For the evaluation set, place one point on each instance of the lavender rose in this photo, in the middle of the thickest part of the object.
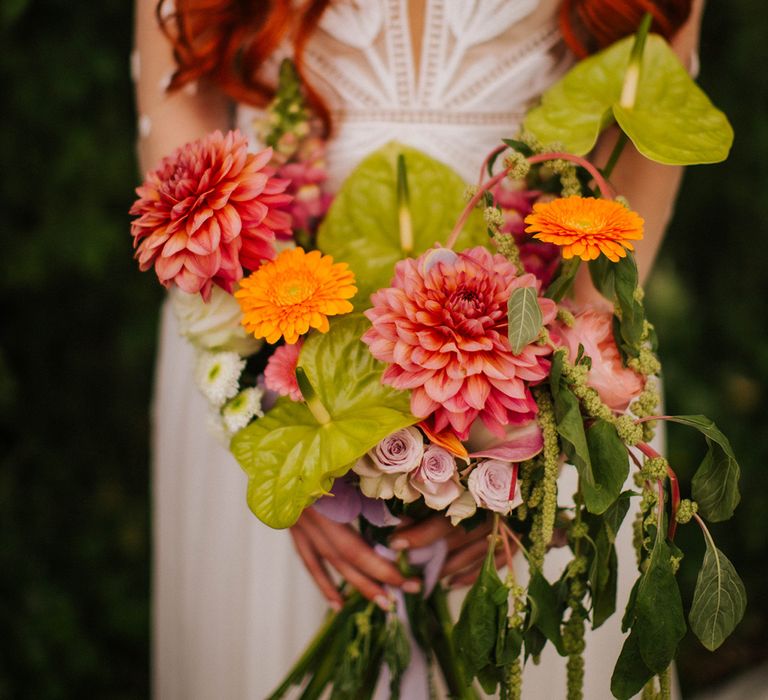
(400, 452)
(490, 484)
(436, 478)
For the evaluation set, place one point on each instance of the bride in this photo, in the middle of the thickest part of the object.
(234, 602)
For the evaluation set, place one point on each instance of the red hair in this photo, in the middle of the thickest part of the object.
(227, 41)
(590, 25)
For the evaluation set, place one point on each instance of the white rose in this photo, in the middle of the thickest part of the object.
(214, 325)
(490, 484)
(373, 482)
(463, 507)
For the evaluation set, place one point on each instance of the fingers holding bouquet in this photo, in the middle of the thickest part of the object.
(321, 542)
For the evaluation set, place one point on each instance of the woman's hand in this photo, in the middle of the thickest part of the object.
(320, 542)
(466, 550)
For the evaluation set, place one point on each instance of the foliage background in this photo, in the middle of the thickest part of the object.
(77, 333)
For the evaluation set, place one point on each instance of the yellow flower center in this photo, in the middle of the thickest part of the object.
(292, 289)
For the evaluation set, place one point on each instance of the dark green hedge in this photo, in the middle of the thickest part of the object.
(77, 325)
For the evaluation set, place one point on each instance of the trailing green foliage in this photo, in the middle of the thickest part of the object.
(603, 562)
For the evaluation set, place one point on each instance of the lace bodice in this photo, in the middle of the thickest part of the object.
(452, 92)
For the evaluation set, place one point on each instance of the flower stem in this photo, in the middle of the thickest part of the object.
(509, 532)
(605, 189)
(674, 486)
(451, 665)
(618, 149)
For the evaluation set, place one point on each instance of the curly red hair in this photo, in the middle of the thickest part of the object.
(589, 25)
(227, 41)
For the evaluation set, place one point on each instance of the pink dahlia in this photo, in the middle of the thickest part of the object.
(280, 372)
(209, 210)
(442, 327)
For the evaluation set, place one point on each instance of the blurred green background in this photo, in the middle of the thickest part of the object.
(78, 325)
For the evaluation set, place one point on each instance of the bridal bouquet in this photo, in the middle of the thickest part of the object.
(411, 348)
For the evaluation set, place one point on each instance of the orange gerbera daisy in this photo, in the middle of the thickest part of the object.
(293, 293)
(586, 227)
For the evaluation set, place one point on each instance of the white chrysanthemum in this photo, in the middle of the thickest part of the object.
(238, 412)
(217, 429)
(214, 325)
(218, 375)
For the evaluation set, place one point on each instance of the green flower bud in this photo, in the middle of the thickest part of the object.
(629, 432)
(470, 191)
(686, 510)
(493, 217)
(655, 468)
(518, 165)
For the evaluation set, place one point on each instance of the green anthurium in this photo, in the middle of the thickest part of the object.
(363, 225)
(670, 120)
(293, 453)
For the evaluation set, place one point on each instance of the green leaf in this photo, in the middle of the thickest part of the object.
(524, 318)
(719, 600)
(564, 279)
(290, 458)
(630, 673)
(362, 228)
(659, 621)
(603, 569)
(715, 485)
(601, 271)
(604, 596)
(475, 633)
(672, 120)
(610, 466)
(546, 610)
(556, 372)
(629, 612)
(570, 427)
(625, 282)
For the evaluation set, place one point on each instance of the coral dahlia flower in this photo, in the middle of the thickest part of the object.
(442, 327)
(209, 210)
(586, 227)
(293, 293)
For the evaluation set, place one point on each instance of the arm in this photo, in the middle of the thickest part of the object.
(167, 121)
(651, 188)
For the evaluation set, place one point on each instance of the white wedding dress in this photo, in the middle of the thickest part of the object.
(233, 605)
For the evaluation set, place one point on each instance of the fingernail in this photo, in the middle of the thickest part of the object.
(411, 586)
(383, 602)
(398, 544)
(336, 606)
